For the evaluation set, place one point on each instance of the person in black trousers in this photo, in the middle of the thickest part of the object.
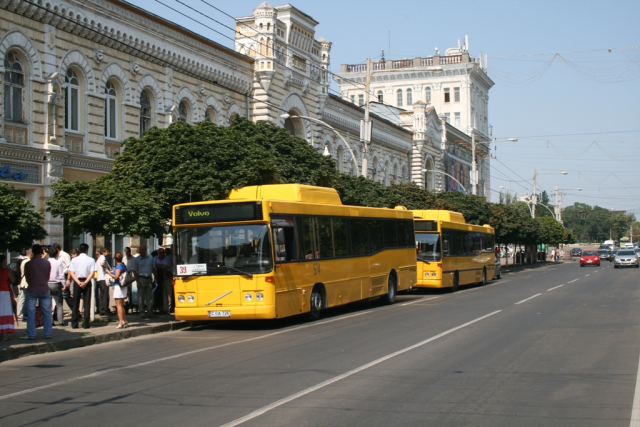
(81, 271)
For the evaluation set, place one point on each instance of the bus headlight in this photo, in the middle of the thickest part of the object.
(433, 274)
(191, 298)
(181, 298)
(259, 296)
(248, 297)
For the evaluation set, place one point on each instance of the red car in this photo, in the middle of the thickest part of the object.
(589, 258)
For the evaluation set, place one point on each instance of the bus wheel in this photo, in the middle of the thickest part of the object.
(315, 304)
(390, 297)
(456, 283)
(484, 277)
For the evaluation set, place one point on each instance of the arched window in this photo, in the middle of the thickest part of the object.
(110, 112)
(399, 97)
(72, 101)
(395, 174)
(380, 96)
(145, 112)
(427, 95)
(13, 87)
(183, 112)
(210, 115)
(409, 97)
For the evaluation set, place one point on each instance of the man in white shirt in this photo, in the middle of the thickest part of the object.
(81, 271)
(101, 282)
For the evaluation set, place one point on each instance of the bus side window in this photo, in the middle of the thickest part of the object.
(446, 243)
(307, 238)
(284, 241)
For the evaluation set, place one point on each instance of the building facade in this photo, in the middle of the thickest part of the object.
(81, 77)
(455, 86)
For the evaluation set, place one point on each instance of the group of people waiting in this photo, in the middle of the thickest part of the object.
(49, 274)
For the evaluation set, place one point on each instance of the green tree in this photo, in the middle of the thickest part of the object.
(551, 231)
(475, 209)
(20, 224)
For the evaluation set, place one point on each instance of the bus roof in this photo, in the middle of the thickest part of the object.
(288, 192)
(438, 215)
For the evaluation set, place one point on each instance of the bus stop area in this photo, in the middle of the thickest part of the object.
(102, 330)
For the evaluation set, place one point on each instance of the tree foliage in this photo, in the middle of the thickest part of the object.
(184, 163)
(596, 224)
(20, 222)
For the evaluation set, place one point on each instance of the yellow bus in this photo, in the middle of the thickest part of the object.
(274, 251)
(451, 252)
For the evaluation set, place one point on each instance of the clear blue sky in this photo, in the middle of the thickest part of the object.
(594, 93)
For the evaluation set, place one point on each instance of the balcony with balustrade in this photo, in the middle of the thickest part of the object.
(399, 64)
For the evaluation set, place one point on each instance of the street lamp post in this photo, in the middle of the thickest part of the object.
(535, 178)
(450, 176)
(355, 161)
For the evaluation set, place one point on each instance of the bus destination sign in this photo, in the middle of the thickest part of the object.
(218, 212)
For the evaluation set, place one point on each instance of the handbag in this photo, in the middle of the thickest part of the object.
(126, 277)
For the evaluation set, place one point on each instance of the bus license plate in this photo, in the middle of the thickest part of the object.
(220, 313)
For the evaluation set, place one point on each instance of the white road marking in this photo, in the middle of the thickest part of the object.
(347, 374)
(176, 356)
(418, 300)
(587, 275)
(555, 288)
(520, 302)
(635, 413)
(574, 280)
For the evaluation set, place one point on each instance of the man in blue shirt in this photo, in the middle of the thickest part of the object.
(142, 267)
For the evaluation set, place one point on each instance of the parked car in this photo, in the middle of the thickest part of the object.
(589, 258)
(576, 252)
(604, 254)
(626, 258)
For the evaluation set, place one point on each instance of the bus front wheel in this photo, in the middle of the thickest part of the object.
(456, 283)
(390, 296)
(484, 277)
(315, 304)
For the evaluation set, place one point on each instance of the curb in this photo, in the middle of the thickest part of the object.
(68, 344)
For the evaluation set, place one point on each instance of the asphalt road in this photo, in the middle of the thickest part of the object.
(553, 346)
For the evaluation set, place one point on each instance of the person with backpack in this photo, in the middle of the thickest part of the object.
(119, 289)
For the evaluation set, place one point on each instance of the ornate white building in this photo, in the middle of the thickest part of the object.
(456, 87)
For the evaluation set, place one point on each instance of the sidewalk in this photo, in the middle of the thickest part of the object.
(102, 330)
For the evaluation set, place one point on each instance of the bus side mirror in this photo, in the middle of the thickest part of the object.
(280, 240)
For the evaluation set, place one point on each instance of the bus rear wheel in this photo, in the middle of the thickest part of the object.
(484, 277)
(315, 304)
(390, 296)
(456, 283)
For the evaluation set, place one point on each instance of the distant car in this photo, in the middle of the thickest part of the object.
(638, 252)
(589, 258)
(576, 252)
(604, 254)
(498, 273)
(628, 245)
(626, 258)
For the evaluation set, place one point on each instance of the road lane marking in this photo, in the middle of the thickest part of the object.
(635, 412)
(587, 275)
(555, 288)
(520, 302)
(176, 356)
(418, 300)
(347, 374)
(574, 280)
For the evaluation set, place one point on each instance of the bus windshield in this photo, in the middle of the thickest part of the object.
(234, 249)
(428, 246)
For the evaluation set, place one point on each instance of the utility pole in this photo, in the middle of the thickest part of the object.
(558, 207)
(535, 195)
(365, 125)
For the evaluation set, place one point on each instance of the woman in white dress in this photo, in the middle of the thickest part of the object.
(119, 292)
